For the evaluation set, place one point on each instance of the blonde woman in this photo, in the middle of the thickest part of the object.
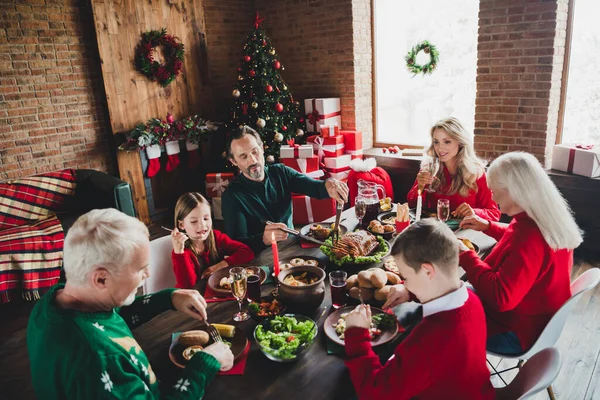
(526, 277)
(455, 173)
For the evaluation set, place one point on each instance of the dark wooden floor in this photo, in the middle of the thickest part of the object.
(579, 344)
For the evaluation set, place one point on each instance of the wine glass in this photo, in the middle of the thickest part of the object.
(443, 209)
(360, 209)
(432, 168)
(239, 287)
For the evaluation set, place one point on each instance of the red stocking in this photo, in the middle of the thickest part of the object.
(193, 155)
(153, 153)
(172, 147)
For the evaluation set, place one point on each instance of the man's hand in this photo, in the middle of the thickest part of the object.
(462, 211)
(337, 190)
(222, 353)
(190, 302)
(178, 239)
(398, 295)
(360, 317)
(474, 222)
(274, 231)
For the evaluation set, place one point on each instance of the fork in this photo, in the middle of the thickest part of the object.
(213, 332)
(335, 234)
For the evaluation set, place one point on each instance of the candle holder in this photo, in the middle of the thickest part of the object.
(275, 292)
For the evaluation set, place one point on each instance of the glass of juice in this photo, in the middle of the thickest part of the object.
(337, 283)
(253, 288)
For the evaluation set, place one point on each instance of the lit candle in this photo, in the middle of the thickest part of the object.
(275, 256)
(419, 207)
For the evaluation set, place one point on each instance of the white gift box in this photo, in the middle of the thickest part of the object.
(322, 112)
(216, 208)
(577, 159)
(340, 176)
(296, 151)
(339, 162)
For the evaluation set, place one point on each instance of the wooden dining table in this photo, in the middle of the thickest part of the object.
(316, 375)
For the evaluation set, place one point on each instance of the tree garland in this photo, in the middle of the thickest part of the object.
(144, 57)
(411, 58)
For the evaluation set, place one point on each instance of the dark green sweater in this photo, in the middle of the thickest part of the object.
(246, 203)
(78, 355)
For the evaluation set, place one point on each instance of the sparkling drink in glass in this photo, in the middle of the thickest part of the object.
(337, 283)
(253, 288)
(443, 209)
(239, 287)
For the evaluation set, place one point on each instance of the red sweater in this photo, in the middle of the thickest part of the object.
(522, 282)
(186, 265)
(442, 358)
(481, 201)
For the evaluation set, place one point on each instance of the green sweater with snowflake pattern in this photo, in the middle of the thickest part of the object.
(78, 355)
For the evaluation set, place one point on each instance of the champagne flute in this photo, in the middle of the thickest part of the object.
(239, 287)
(360, 209)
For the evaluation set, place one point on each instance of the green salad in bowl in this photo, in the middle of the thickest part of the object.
(285, 338)
(377, 255)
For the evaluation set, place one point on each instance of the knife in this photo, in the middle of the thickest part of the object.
(301, 236)
(338, 216)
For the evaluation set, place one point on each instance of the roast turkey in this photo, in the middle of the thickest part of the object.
(355, 244)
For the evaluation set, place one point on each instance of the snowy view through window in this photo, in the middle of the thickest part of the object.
(408, 106)
(582, 107)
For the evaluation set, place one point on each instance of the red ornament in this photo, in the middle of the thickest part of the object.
(245, 109)
(279, 107)
(284, 128)
(247, 58)
(239, 69)
(384, 150)
(301, 120)
(269, 88)
(252, 73)
(276, 64)
(170, 118)
(264, 42)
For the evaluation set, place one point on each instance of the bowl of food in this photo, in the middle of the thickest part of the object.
(386, 205)
(302, 288)
(219, 280)
(285, 338)
(322, 230)
(267, 307)
(357, 249)
(384, 230)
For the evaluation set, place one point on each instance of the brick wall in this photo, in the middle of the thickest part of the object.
(519, 69)
(52, 105)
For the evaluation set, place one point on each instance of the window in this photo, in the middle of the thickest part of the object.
(407, 106)
(581, 120)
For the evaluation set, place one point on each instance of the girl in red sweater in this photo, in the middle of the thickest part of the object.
(454, 172)
(199, 250)
(444, 356)
(526, 277)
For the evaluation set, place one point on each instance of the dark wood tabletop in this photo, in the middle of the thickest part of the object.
(317, 375)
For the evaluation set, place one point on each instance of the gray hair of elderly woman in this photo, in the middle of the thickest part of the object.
(104, 238)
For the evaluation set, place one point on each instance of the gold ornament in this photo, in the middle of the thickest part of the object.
(299, 132)
(240, 78)
(282, 68)
(254, 104)
(236, 93)
(284, 87)
(278, 137)
(261, 123)
(272, 51)
(267, 118)
(270, 159)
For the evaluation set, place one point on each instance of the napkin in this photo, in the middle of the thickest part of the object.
(305, 244)
(269, 273)
(213, 297)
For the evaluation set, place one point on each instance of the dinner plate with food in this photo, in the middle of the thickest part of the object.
(384, 326)
(188, 343)
(386, 205)
(470, 245)
(300, 261)
(359, 247)
(321, 231)
(219, 280)
(385, 230)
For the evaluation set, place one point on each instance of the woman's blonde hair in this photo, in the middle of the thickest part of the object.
(185, 204)
(522, 175)
(469, 166)
(106, 238)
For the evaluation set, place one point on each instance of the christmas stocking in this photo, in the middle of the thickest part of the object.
(172, 147)
(193, 155)
(153, 154)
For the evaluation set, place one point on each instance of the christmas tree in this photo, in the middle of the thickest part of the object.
(262, 99)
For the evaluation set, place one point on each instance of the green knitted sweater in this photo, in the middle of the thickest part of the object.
(78, 355)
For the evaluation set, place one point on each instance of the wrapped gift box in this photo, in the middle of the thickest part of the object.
(217, 182)
(216, 208)
(355, 153)
(327, 147)
(337, 163)
(329, 130)
(308, 210)
(296, 151)
(308, 166)
(352, 140)
(322, 112)
(340, 176)
(577, 159)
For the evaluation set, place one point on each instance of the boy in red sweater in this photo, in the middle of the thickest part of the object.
(444, 356)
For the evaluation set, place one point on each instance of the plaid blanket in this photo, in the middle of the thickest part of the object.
(31, 258)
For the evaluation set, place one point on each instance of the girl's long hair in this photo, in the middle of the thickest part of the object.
(522, 175)
(185, 204)
(469, 166)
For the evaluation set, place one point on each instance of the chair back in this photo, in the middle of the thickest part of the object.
(161, 266)
(537, 374)
(551, 333)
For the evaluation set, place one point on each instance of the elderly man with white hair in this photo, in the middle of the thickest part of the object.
(79, 338)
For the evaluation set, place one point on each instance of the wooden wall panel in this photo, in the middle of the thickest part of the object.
(132, 98)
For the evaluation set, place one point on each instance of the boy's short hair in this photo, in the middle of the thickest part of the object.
(428, 241)
(239, 133)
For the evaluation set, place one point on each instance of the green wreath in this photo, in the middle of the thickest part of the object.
(144, 58)
(411, 58)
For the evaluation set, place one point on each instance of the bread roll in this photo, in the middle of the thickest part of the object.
(367, 294)
(194, 338)
(378, 278)
(364, 279)
(392, 278)
(352, 281)
(383, 293)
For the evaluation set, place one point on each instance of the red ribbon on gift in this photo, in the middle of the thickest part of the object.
(296, 147)
(572, 155)
(314, 117)
(585, 146)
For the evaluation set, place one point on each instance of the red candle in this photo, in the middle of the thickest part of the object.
(275, 256)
